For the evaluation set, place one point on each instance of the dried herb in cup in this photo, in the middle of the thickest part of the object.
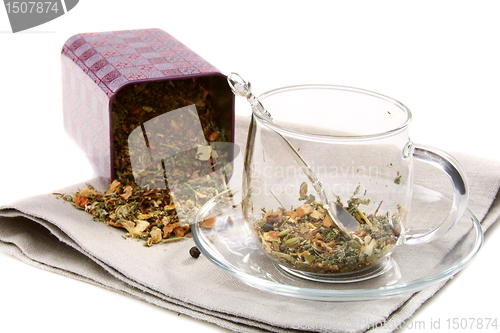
(304, 239)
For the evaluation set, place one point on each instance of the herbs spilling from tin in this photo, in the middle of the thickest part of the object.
(181, 121)
(305, 239)
(145, 214)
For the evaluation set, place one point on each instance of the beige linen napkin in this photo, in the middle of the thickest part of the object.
(50, 234)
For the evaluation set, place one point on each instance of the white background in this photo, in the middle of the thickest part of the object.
(440, 58)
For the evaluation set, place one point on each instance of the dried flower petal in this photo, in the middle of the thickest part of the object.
(156, 235)
(167, 230)
(134, 228)
(327, 222)
(86, 192)
(114, 185)
(81, 201)
(145, 216)
(304, 210)
(271, 236)
(181, 231)
(127, 192)
(291, 213)
(208, 223)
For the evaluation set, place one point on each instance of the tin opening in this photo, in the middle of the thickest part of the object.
(173, 117)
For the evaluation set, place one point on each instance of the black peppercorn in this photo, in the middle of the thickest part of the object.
(268, 227)
(194, 252)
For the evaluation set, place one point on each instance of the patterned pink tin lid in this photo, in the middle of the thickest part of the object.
(113, 59)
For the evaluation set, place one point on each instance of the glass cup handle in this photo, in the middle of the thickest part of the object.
(454, 171)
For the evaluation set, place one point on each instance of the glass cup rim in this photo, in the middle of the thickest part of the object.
(285, 130)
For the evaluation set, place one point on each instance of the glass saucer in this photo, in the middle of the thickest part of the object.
(231, 245)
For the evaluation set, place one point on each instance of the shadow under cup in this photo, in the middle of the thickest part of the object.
(357, 144)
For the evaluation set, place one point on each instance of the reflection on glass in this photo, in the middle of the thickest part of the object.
(170, 151)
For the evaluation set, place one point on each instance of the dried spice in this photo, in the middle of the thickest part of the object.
(304, 239)
(194, 252)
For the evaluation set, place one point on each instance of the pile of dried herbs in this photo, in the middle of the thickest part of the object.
(147, 215)
(304, 238)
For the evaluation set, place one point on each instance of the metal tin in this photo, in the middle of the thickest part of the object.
(99, 68)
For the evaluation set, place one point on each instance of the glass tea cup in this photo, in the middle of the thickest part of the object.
(357, 144)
